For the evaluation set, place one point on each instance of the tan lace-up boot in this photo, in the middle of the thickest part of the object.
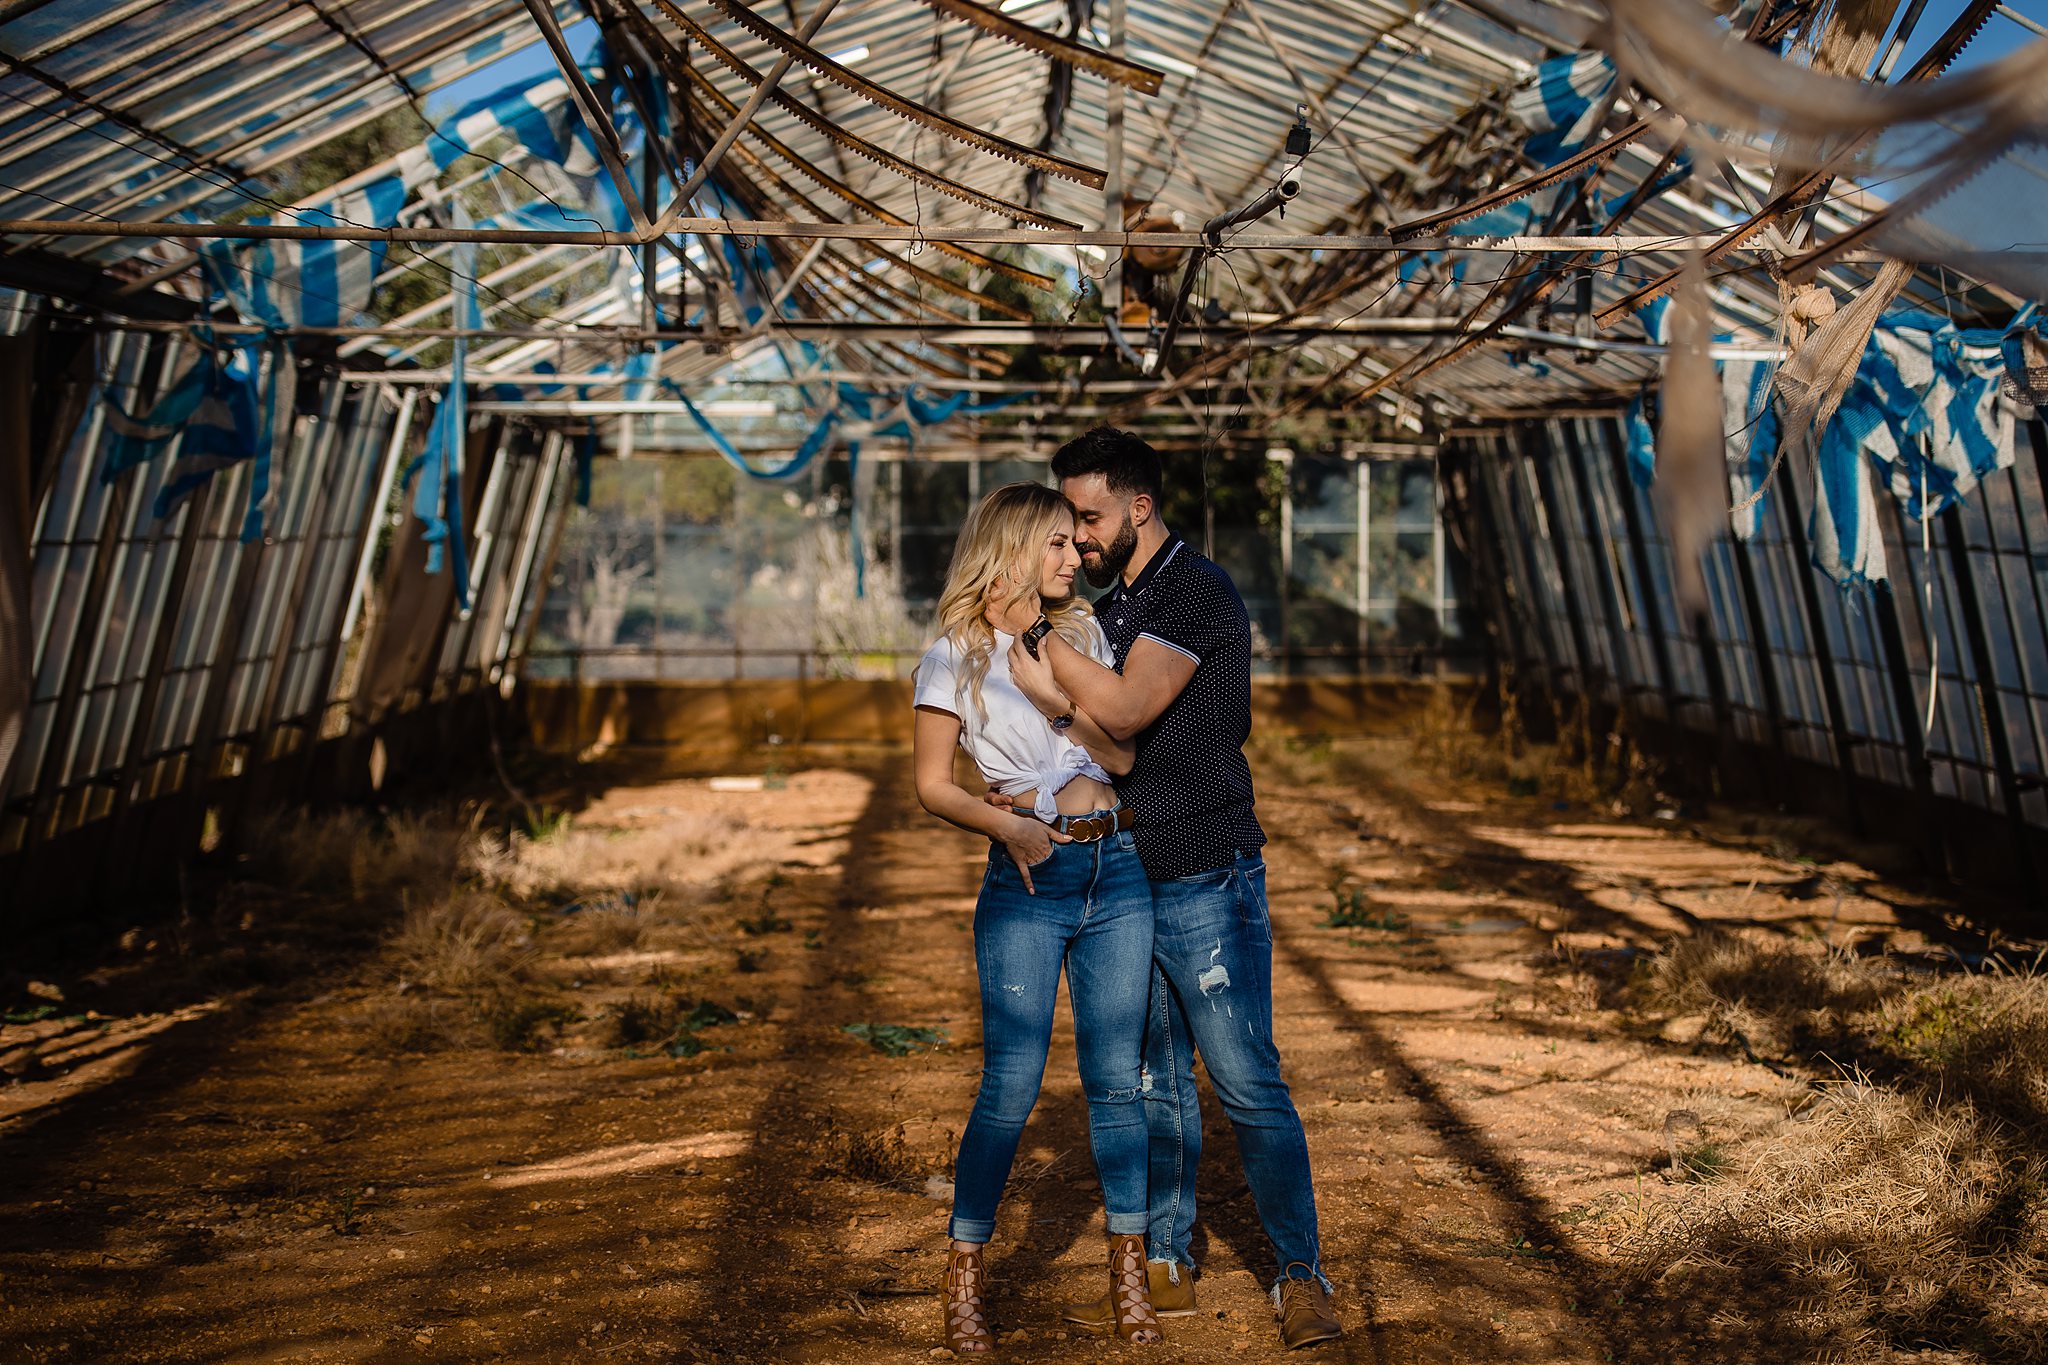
(1130, 1300)
(966, 1329)
(1172, 1288)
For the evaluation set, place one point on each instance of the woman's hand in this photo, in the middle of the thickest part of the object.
(1030, 841)
(1034, 679)
(1015, 612)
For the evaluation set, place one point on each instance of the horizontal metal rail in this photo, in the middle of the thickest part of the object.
(853, 232)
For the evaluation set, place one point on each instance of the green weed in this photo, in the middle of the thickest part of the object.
(1697, 1165)
(1352, 908)
(898, 1040)
(348, 1219)
(704, 1014)
(546, 824)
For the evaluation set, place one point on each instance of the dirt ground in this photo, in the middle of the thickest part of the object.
(253, 1176)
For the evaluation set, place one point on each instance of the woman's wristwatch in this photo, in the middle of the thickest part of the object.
(1035, 632)
(1062, 722)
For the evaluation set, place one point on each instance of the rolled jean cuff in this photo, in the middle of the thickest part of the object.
(970, 1230)
(1129, 1224)
(1315, 1273)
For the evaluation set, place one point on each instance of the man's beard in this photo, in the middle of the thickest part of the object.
(1112, 557)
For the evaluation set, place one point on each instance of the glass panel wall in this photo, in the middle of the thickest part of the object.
(1935, 680)
(683, 567)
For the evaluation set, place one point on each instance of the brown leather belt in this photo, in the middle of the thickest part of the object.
(1086, 829)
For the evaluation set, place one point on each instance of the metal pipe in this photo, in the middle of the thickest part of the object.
(1286, 188)
(865, 232)
(1113, 181)
(1990, 703)
(394, 450)
(961, 334)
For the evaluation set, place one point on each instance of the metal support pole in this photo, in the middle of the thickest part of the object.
(1639, 557)
(609, 149)
(1760, 646)
(1518, 533)
(1933, 842)
(144, 724)
(1113, 169)
(1598, 563)
(1574, 613)
(962, 234)
(1990, 707)
(1817, 638)
(359, 589)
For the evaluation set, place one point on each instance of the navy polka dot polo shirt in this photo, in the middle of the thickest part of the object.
(1190, 790)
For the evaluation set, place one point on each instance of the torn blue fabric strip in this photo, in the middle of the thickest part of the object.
(437, 501)
(1642, 442)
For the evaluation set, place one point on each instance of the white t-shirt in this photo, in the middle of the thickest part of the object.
(1015, 748)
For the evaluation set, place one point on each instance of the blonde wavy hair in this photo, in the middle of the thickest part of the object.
(1002, 542)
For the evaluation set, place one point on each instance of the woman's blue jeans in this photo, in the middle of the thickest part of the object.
(1092, 912)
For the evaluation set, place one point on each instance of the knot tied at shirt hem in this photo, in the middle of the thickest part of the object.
(1073, 762)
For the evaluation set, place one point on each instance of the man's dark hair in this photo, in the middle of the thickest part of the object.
(1130, 465)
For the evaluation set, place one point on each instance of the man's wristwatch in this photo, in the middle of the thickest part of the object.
(1035, 632)
(1063, 722)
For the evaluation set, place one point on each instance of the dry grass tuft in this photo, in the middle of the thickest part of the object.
(879, 1157)
(684, 849)
(1876, 1222)
(518, 1020)
(350, 851)
(1905, 1208)
(1982, 1038)
(417, 855)
(1772, 994)
(412, 1023)
(1575, 765)
(302, 850)
(468, 944)
(614, 922)
(639, 1019)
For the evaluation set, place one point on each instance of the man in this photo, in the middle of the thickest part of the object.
(1182, 687)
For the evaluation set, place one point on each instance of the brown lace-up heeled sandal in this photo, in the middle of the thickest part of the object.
(1130, 1298)
(966, 1329)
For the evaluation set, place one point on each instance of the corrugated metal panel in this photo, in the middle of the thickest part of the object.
(231, 89)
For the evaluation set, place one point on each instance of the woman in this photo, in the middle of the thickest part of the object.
(1063, 883)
